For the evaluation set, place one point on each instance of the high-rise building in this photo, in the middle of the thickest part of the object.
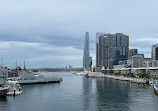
(99, 54)
(154, 52)
(111, 48)
(133, 52)
(87, 60)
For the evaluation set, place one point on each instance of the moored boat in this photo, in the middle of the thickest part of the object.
(25, 76)
(3, 91)
(82, 73)
(14, 88)
(156, 89)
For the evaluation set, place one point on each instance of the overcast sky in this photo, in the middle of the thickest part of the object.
(50, 33)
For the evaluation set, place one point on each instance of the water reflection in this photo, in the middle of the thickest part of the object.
(3, 99)
(78, 93)
(111, 94)
(87, 91)
(4, 103)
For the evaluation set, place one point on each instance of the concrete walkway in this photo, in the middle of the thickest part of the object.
(131, 79)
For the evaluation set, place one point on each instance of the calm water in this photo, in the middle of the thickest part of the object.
(78, 93)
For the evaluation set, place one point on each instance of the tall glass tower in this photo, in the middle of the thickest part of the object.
(87, 60)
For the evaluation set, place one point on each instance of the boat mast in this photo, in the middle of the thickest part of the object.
(1, 61)
(16, 64)
(24, 66)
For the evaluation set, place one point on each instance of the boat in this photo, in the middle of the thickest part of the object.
(87, 75)
(25, 76)
(156, 89)
(82, 73)
(152, 82)
(14, 88)
(3, 91)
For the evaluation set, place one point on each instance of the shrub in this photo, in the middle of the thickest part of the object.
(111, 71)
(129, 75)
(143, 75)
(117, 73)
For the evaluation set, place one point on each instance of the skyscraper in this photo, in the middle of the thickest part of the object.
(111, 48)
(133, 52)
(87, 60)
(154, 52)
(98, 49)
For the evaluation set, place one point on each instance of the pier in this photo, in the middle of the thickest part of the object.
(122, 78)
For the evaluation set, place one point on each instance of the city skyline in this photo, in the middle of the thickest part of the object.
(45, 35)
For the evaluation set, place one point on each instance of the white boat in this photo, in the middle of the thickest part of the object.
(82, 73)
(14, 88)
(156, 89)
(3, 91)
(14, 93)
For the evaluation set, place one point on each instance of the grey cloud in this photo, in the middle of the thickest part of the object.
(64, 23)
(39, 53)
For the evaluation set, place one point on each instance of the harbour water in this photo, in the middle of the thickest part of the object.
(78, 93)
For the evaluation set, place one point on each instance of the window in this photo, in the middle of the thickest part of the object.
(124, 51)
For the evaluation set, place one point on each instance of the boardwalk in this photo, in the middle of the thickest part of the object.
(131, 79)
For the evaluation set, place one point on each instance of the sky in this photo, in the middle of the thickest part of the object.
(50, 33)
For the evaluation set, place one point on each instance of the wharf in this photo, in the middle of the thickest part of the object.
(131, 79)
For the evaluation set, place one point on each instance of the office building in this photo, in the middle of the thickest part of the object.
(99, 49)
(133, 52)
(111, 48)
(87, 60)
(154, 52)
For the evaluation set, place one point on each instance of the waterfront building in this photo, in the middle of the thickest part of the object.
(123, 64)
(98, 49)
(148, 62)
(133, 52)
(154, 52)
(87, 60)
(151, 71)
(111, 48)
(137, 60)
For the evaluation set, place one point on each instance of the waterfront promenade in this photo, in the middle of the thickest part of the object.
(122, 78)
